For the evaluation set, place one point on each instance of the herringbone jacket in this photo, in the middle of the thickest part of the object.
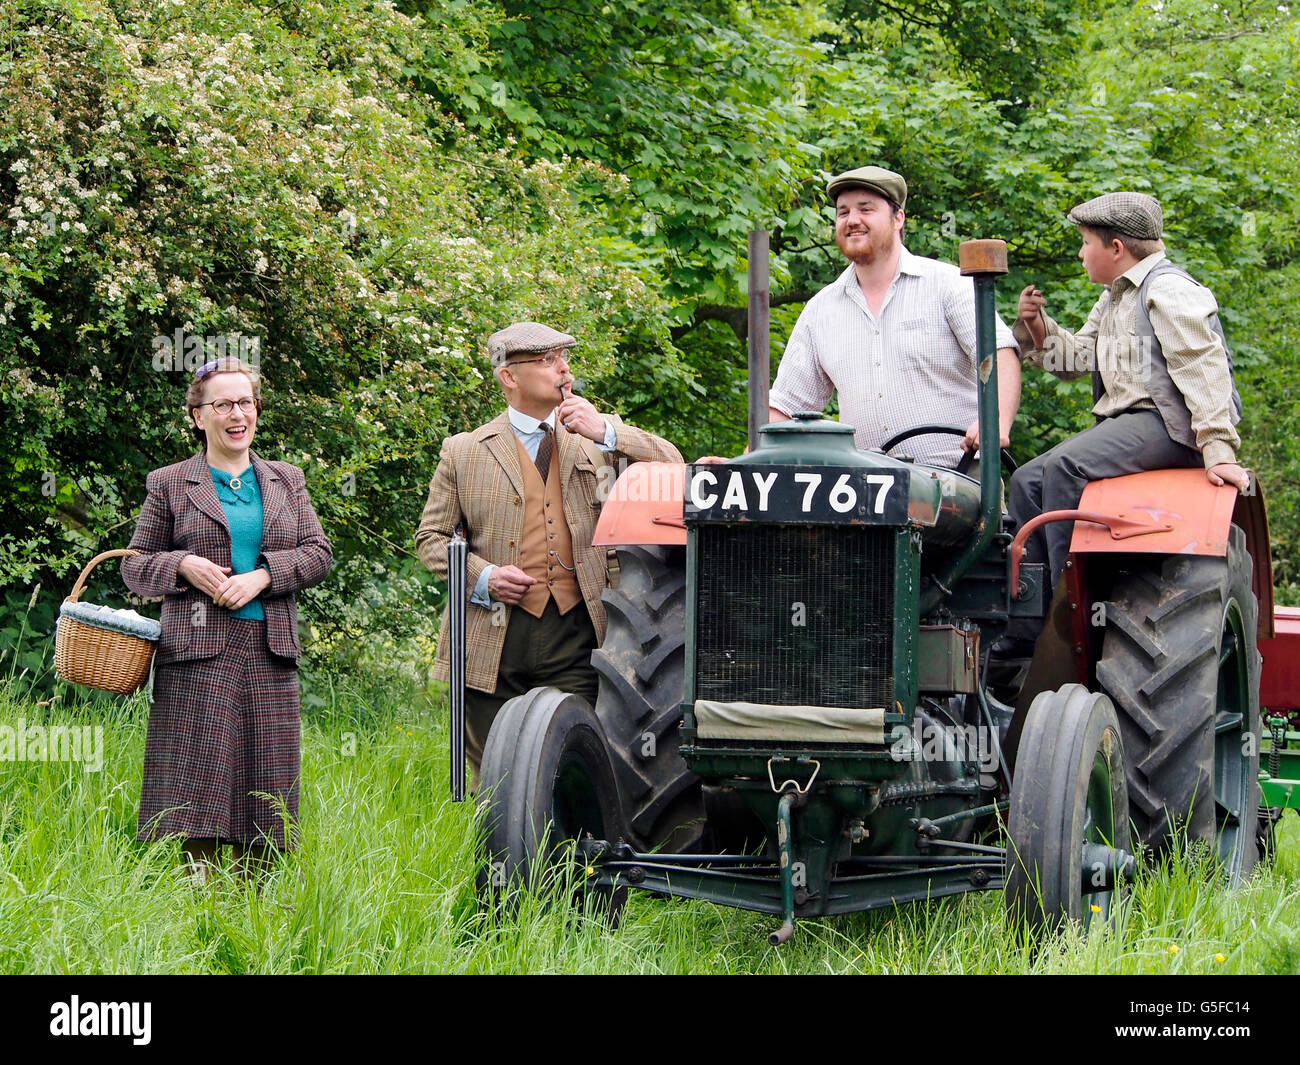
(478, 484)
(182, 516)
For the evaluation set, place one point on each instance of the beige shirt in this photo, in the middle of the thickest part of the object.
(1181, 312)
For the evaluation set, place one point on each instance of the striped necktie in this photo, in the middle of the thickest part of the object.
(544, 451)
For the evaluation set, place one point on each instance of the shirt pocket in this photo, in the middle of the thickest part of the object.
(912, 340)
(925, 349)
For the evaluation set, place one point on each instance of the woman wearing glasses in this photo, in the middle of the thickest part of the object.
(227, 538)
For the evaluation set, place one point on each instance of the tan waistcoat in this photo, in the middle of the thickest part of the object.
(546, 540)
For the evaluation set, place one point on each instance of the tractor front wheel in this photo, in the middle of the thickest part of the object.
(546, 781)
(1068, 821)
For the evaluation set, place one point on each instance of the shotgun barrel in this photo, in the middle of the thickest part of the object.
(457, 598)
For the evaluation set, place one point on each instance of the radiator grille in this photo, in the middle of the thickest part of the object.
(756, 581)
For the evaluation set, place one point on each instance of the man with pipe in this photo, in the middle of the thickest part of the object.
(894, 335)
(525, 489)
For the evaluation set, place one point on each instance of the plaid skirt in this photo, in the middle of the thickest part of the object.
(222, 756)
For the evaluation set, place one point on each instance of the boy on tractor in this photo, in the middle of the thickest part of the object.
(1162, 383)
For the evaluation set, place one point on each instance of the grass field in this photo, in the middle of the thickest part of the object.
(383, 882)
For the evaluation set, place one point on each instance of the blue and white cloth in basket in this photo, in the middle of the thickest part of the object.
(105, 617)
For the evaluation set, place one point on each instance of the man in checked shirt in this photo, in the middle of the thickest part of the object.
(894, 335)
(1162, 382)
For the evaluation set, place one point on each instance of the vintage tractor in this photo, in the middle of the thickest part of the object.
(795, 715)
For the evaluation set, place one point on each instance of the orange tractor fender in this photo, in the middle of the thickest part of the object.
(1184, 515)
(645, 506)
(1158, 512)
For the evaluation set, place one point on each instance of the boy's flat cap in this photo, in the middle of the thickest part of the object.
(525, 338)
(1134, 214)
(876, 178)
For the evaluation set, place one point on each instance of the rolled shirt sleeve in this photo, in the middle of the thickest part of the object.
(959, 310)
(801, 383)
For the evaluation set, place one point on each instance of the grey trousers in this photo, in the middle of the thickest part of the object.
(1127, 443)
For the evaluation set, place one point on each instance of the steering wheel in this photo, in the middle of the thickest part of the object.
(967, 460)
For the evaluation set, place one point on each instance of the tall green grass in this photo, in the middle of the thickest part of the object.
(383, 881)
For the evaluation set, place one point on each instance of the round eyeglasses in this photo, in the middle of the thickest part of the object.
(549, 359)
(224, 406)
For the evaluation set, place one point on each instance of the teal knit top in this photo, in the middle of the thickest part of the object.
(241, 499)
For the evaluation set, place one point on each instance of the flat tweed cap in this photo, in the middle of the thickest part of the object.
(876, 178)
(1134, 214)
(531, 338)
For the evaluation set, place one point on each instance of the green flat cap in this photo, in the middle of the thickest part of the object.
(1134, 214)
(874, 178)
(525, 338)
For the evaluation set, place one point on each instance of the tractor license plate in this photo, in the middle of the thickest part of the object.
(817, 495)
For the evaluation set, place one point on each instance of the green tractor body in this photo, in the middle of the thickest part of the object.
(805, 562)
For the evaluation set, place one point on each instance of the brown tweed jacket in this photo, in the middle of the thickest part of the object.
(182, 516)
(478, 484)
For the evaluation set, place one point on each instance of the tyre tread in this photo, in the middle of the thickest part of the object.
(641, 666)
(1159, 664)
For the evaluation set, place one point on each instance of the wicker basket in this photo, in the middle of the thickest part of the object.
(98, 657)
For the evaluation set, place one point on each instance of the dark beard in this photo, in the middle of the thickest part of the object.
(864, 255)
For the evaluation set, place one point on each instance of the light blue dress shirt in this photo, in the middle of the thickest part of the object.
(529, 431)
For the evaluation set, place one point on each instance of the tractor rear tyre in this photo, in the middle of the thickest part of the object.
(641, 665)
(1179, 659)
(545, 782)
(1068, 819)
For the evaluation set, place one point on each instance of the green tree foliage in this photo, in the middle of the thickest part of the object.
(1194, 103)
(228, 171)
(703, 107)
(1012, 49)
(369, 190)
(700, 106)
